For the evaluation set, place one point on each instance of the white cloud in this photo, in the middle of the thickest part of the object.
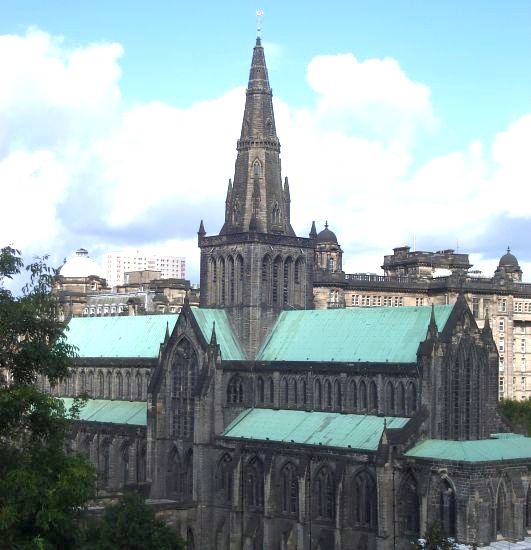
(79, 168)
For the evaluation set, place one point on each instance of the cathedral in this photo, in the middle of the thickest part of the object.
(255, 421)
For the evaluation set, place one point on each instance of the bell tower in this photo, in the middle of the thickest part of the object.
(256, 266)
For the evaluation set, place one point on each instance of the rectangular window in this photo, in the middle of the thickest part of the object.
(502, 305)
(378, 300)
(522, 345)
(501, 324)
(502, 363)
(522, 383)
(518, 307)
(501, 345)
(522, 364)
(419, 301)
(395, 303)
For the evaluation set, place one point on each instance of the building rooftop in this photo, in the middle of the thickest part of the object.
(119, 337)
(228, 343)
(328, 429)
(512, 447)
(359, 335)
(113, 412)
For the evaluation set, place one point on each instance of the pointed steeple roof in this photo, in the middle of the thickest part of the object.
(259, 118)
(257, 200)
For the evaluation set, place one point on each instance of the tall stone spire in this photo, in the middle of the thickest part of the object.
(257, 201)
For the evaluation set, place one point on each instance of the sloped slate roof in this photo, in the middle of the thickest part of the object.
(114, 412)
(373, 335)
(205, 318)
(354, 431)
(113, 337)
(483, 450)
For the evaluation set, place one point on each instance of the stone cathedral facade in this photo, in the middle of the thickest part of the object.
(255, 421)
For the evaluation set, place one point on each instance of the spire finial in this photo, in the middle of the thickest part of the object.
(259, 15)
(326, 224)
(313, 231)
(508, 249)
(213, 337)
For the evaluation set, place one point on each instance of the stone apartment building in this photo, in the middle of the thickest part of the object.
(416, 278)
(258, 421)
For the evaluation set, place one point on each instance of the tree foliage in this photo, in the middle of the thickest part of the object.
(131, 525)
(43, 489)
(435, 539)
(518, 413)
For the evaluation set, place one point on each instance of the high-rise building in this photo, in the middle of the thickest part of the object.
(118, 263)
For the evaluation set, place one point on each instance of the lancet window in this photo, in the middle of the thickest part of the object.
(289, 485)
(184, 375)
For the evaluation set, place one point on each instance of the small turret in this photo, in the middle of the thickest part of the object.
(201, 232)
(313, 231)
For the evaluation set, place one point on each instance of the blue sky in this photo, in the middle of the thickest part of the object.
(472, 57)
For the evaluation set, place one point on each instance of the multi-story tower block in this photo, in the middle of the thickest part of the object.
(256, 266)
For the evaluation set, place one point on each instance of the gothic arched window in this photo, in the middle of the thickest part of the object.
(353, 395)
(363, 396)
(337, 395)
(236, 212)
(232, 282)
(328, 393)
(373, 396)
(124, 463)
(222, 281)
(138, 382)
(324, 494)
(401, 405)
(173, 474)
(91, 383)
(409, 516)
(266, 280)
(254, 483)
(184, 374)
(364, 500)
(303, 392)
(286, 286)
(120, 385)
(101, 385)
(318, 395)
(257, 169)
(109, 385)
(447, 508)
(277, 267)
(275, 214)
(239, 279)
(285, 392)
(235, 390)
(390, 397)
(411, 397)
(295, 391)
(128, 385)
(141, 464)
(289, 486)
(260, 390)
(271, 391)
(83, 381)
(105, 461)
(225, 477)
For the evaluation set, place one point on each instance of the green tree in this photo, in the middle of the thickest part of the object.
(518, 413)
(435, 539)
(43, 489)
(131, 525)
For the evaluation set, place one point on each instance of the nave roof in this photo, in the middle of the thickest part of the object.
(371, 335)
(329, 429)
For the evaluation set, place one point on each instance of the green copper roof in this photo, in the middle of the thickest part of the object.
(373, 335)
(483, 450)
(230, 348)
(354, 431)
(114, 412)
(135, 336)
